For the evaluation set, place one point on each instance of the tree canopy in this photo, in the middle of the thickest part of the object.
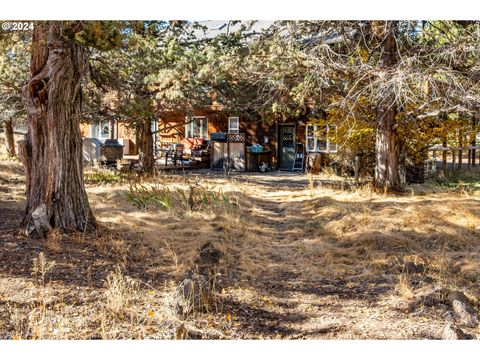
(423, 73)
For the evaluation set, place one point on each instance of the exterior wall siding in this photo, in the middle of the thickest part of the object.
(171, 128)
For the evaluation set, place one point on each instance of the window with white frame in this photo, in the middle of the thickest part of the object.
(101, 131)
(319, 138)
(196, 127)
(233, 125)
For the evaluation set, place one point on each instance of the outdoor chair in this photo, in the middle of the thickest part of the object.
(176, 155)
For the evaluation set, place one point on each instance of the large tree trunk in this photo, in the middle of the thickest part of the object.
(460, 151)
(386, 166)
(52, 153)
(444, 157)
(10, 138)
(472, 143)
(147, 160)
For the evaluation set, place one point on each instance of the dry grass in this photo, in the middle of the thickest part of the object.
(120, 291)
(404, 288)
(300, 260)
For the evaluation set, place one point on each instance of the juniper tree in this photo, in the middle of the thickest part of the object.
(387, 75)
(52, 152)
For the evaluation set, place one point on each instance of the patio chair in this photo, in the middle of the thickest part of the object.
(176, 155)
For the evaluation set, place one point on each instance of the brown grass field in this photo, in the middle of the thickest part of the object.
(299, 260)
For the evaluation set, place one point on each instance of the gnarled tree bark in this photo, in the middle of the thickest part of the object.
(387, 174)
(145, 146)
(473, 142)
(52, 152)
(10, 138)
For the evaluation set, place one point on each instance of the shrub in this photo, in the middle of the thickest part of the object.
(103, 177)
(195, 198)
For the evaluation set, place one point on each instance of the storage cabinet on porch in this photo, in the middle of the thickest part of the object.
(228, 151)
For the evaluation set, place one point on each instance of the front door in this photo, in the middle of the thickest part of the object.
(286, 146)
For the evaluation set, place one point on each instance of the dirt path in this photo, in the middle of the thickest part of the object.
(292, 299)
(299, 262)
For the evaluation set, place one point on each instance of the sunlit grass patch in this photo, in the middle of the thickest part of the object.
(194, 198)
(461, 180)
(104, 176)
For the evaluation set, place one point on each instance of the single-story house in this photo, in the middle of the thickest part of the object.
(279, 140)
